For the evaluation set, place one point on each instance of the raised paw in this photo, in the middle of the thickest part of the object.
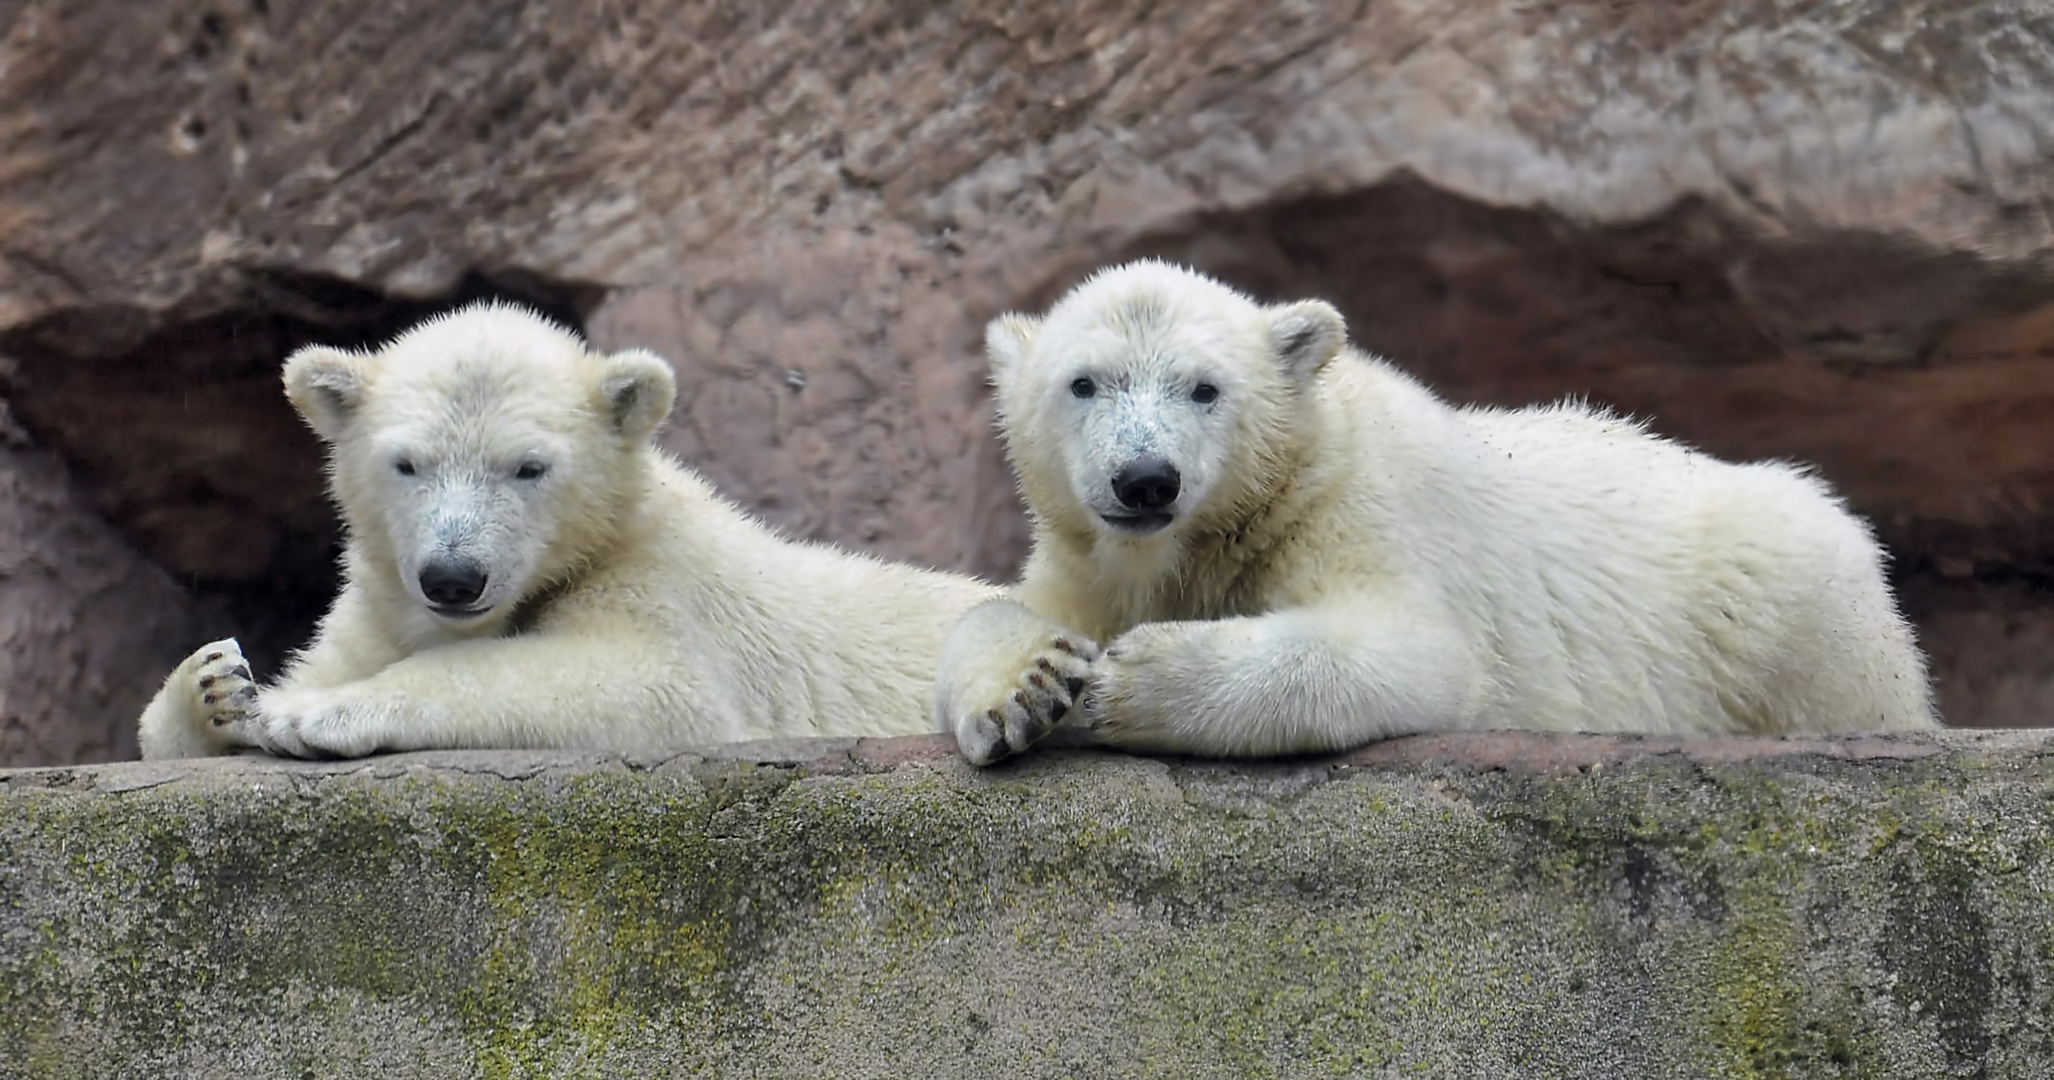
(1046, 690)
(221, 688)
(204, 707)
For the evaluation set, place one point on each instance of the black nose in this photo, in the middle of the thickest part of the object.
(453, 582)
(1147, 484)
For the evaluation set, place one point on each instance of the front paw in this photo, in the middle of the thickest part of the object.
(314, 724)
(203, 708)
(219, 688)
(1134, 687)
(1015, 711)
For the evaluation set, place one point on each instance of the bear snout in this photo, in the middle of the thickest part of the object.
(452, 583)
(1149, 484)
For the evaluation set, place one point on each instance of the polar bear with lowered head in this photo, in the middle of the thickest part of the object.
(524, 569)
(1288, 546)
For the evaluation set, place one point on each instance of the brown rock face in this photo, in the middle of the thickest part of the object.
(83, 622)
(1773, 228)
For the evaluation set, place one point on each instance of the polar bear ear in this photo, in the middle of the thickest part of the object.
(326, 385)
(638, 390)
(1007, 339)
(1305, 336)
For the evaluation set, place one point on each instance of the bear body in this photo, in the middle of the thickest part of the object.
(524, 569)
(1288, 546)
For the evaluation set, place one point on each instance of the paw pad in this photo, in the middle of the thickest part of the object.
(1054, 668)
(221, 686)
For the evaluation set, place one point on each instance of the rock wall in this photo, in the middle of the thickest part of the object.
(1777, 228)
(83, 621)
(1494, 905)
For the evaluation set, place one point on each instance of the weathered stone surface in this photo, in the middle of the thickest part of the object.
(1492, 905)
(1778, 228)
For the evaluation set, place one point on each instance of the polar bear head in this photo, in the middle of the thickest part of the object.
(480, 456)
(1152, 397)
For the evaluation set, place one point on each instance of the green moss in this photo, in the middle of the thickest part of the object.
(596, 918)
(1755, 996)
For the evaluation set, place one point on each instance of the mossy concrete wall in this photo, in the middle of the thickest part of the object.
(1485, 906)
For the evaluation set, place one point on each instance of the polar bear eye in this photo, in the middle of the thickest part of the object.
(1082, 388)
(530, 470)
(1205, 393)
(403, 467)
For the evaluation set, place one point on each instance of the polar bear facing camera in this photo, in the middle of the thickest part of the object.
(524, 569)
(1288, 546)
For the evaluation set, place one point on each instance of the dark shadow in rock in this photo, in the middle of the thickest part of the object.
(177, 427)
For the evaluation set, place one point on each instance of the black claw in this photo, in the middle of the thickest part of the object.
(243, 670)
(210, 658)
(209, 699)
(1035, 680)
(206, 681)
(1064, 644)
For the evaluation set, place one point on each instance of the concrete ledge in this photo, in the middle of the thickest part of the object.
(1493, 905)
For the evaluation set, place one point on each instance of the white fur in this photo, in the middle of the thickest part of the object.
(1353, 559)
(625, 606)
